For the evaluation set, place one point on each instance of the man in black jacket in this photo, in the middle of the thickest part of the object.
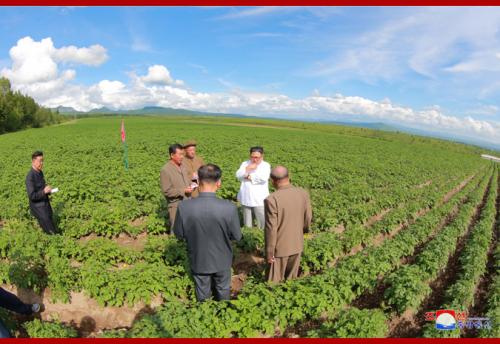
(208, 224)
(38, 194)
(14, 304)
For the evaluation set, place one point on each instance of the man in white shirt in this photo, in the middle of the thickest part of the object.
(254, 175)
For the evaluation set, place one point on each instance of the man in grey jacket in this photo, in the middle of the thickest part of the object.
(208, 224)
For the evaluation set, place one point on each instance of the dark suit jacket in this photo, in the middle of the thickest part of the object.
(208, 224)
(35, 183)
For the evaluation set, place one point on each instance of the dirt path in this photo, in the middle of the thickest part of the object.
(376, 218)
(84, 313)
(136, 243)
(450, 194)
(244, 265)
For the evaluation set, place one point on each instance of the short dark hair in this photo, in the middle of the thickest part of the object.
(209, 173)
(258, 149)
(173, 148)
(36, 154)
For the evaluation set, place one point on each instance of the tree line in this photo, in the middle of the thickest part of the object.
(19, 111)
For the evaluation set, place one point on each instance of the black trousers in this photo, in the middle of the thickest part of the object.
(44, 216)
(13, 303)
(218, 283)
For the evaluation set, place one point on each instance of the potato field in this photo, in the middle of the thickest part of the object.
(402, 225)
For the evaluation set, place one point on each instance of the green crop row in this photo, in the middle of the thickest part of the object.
(47, 329)
(354, 323)
(325, 248)
(111, 274)
(409, 285)
(473, 259)
(493, 303)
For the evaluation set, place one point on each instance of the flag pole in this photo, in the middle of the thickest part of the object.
(125, 147)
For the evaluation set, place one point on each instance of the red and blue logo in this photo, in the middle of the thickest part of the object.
(446, 319)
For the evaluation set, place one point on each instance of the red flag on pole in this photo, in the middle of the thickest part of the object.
(125, 148)
(123, 131)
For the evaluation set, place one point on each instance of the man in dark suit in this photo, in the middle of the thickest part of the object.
(38, 194)
(208, 224)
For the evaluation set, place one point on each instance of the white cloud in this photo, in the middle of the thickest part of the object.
(485, 110)
(32, 62)
(427, 41)
(51, 87)
(36, 62)
(158, 74)
(94, 55)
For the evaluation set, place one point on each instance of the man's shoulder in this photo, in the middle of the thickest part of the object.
(168, 167)
(295, 190)
(198, 201)
(222, 203)
(272, 196)
(226, 203)
(30, 173)
(298, 190)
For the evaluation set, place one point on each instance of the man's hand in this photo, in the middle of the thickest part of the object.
(271, 260)
(188, 190)
(250, 167)
(47, 189)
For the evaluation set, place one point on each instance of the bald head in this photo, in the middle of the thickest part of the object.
(279, 174)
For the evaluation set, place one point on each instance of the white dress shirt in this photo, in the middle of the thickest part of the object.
(253, 192)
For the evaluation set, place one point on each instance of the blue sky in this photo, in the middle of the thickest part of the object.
(428, 68)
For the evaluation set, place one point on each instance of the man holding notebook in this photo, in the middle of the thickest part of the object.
(38, 194)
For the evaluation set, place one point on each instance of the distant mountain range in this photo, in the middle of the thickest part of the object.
(147, 110)
(158, 110)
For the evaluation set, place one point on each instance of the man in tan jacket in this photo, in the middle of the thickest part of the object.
(288, 215)
(174, 181)
(192, 162)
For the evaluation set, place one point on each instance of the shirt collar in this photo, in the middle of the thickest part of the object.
(284, 187)
(206, 194)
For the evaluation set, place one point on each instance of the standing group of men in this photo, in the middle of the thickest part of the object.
(209, 224)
